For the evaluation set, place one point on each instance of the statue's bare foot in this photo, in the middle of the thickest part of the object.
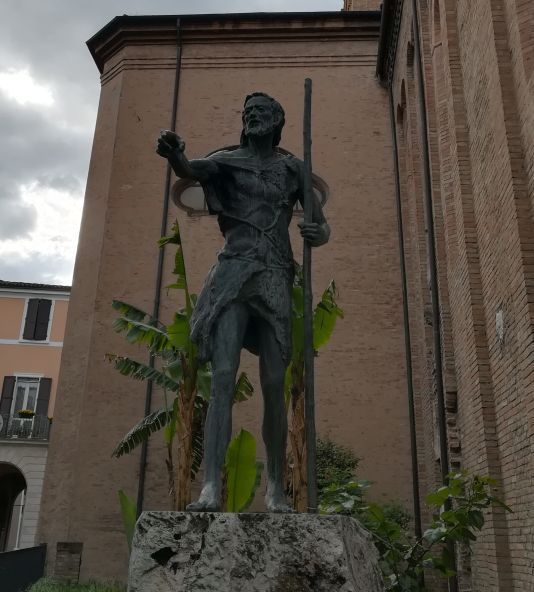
(209, 500)
(276, 502)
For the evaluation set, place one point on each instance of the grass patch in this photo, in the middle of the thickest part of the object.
(49, 585)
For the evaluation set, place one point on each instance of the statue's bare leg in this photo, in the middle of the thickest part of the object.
(274, 429)
(227, 342)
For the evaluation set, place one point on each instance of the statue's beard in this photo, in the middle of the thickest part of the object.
(258, 129)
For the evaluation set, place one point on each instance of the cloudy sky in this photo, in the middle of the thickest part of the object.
(49, 90)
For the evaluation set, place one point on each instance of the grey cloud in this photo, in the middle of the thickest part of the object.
(48, 38)
(33, 144)
(66, 182)
(33, 147)
(35, 267)
(17, 220)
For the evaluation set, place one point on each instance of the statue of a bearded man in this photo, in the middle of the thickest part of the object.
(247, 297)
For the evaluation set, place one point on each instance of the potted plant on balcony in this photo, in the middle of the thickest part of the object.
(25, 413)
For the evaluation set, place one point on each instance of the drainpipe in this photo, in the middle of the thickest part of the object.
(406, 316)
(431, 250)
(159, 275)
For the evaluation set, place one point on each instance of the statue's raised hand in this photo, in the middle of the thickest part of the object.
(170, 144)
(172, 147)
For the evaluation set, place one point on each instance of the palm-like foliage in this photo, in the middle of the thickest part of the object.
(141, 431)
(178, 372)
(325, 316)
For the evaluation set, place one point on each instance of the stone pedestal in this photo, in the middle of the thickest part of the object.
(216, 552)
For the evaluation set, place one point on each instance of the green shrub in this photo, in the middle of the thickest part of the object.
(458, 516)
(396, 512)
(335, 464)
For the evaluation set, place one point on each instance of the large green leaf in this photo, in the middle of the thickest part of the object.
(241, 470)
(179, 332)
(259, 471)
(142, 431)
(128, 311)
(179, 272)
(169, 430)
(174, 367)
(128, 367)
(325, 316)
(129, 516)
(138, 332)
(243, 388)
(204, 382)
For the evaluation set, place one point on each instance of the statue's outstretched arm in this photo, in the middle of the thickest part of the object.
(172, 147)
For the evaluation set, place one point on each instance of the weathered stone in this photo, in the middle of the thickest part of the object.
(216, 552)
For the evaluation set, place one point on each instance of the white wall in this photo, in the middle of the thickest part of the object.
(30, 459)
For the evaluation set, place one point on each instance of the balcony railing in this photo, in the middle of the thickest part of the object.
(13, 427)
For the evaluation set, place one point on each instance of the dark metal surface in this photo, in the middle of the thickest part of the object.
(22, 568)
(309, 386)
(13, 427)
(246, 301)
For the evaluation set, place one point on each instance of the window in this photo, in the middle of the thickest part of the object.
(26, 390)
(37, 319)
(24, 406)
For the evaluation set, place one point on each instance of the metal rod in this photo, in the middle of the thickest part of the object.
(309, 392)
(432, 264)
(407, 334)
(159, 275)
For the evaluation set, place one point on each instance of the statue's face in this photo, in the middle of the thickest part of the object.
(258, 116)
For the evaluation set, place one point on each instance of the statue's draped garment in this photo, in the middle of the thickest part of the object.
(254, 203)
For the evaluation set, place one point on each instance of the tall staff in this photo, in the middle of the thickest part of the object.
(309, 392)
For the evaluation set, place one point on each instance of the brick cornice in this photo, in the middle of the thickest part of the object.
(161, 30)
(389, 36)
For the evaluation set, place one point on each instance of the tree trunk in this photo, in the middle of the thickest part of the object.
(184, 432)
(297, 437)
(169, 462)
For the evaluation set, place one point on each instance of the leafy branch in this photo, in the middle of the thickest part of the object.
(459, 516)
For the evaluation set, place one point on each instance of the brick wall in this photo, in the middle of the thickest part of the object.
(477, 65)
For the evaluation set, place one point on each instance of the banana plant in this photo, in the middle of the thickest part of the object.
(129, 516)
(242, 472)
(325, 316)
(174, 366)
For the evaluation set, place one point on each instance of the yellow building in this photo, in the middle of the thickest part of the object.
(32, 324)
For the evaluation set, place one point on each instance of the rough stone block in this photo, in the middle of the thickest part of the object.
(216, 552)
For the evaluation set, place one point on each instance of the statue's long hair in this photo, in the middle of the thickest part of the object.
(276, 109)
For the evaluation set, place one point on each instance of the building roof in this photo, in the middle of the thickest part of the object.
(163, 28)
(30, 286)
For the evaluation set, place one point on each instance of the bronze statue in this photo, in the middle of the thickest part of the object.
(246, 300)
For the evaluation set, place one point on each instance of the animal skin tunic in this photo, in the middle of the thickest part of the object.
(254, 204)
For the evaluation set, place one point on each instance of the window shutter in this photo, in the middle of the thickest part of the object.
(7, 395)
(31, 318)
(43, 316)
(43, 396)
